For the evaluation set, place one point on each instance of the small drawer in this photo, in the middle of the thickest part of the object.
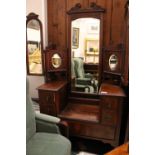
(49, 110)
(92, 130)
(109, 117)
(46, 97)
(110, 102)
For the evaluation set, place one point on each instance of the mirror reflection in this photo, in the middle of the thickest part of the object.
(85, 54)
(113, 61)
(34, 47)
(56, 60)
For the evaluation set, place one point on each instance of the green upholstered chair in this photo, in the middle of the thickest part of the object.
(42, 134)
(83, 80)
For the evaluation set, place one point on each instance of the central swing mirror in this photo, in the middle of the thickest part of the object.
(85, 49)
(85, 44)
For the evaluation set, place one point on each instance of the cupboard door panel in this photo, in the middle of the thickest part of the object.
(109, 117)
(46, 97)
(92, 130)
(110, 103)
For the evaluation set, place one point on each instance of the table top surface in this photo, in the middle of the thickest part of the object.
(120, 150)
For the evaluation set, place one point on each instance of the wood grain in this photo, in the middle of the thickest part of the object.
(121, 150)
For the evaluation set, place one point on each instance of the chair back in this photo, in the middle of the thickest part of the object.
(79, 67)
(30, 115)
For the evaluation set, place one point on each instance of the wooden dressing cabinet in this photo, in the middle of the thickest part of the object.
(111, 109)
(52, 97)
(95, 114)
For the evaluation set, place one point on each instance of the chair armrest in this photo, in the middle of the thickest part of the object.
(47, 118)
(83, 81)
(46, 123)
(64, 128)
(88, 75)
(43, 126)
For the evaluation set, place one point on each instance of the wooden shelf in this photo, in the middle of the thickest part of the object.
(89, 113)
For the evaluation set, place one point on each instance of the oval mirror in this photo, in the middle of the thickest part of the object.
(56, 60)
(113, 61)
(34, 45)
(85, 49)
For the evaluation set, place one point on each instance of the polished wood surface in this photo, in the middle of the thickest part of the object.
(121, 150)
(101, 118)
(52, 86)
(58, 20)
(89, 113)
(111, 90)
(52, 97)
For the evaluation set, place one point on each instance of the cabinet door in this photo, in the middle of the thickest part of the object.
(109, 110)
(47, 102)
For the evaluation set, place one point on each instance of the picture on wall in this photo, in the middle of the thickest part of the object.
(75, 38)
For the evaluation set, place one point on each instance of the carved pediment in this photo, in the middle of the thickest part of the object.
(92, 8)
(32, 15)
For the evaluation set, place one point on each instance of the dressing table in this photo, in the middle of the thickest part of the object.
(91, 99)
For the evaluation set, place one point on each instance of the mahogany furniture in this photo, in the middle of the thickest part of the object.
(120, 150)
(52, 97)
(98, 118)
(94, 116)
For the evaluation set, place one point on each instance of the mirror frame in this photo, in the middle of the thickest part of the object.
(93, 11)
(33, 16)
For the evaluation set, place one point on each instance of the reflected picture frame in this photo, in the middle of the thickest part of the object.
(91, 47)
(75, 38)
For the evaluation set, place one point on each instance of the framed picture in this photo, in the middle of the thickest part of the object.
(75, 38)
(92, 47)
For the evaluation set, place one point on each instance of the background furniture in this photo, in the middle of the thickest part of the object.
(42, 134)
(121, 150)
(34, 45)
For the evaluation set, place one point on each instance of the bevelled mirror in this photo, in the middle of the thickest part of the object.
(113, 61)
(56, 60)
(34, 45)
(85, 47)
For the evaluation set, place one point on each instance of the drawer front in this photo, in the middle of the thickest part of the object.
(110, 102)
(92, 130)
(46, 97)
(49, 110)
(109, 117)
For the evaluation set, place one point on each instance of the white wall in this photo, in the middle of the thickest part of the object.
(39, 7)
(85, 33)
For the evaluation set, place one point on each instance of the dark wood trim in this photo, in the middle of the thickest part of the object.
(92, 8)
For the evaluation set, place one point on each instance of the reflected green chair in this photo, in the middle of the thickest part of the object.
(83, 80)
(42, 134)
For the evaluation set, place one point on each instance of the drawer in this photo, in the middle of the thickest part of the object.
(109, 117)
(46, 97)
(49, 110)
(91, 130)
(109, 102)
